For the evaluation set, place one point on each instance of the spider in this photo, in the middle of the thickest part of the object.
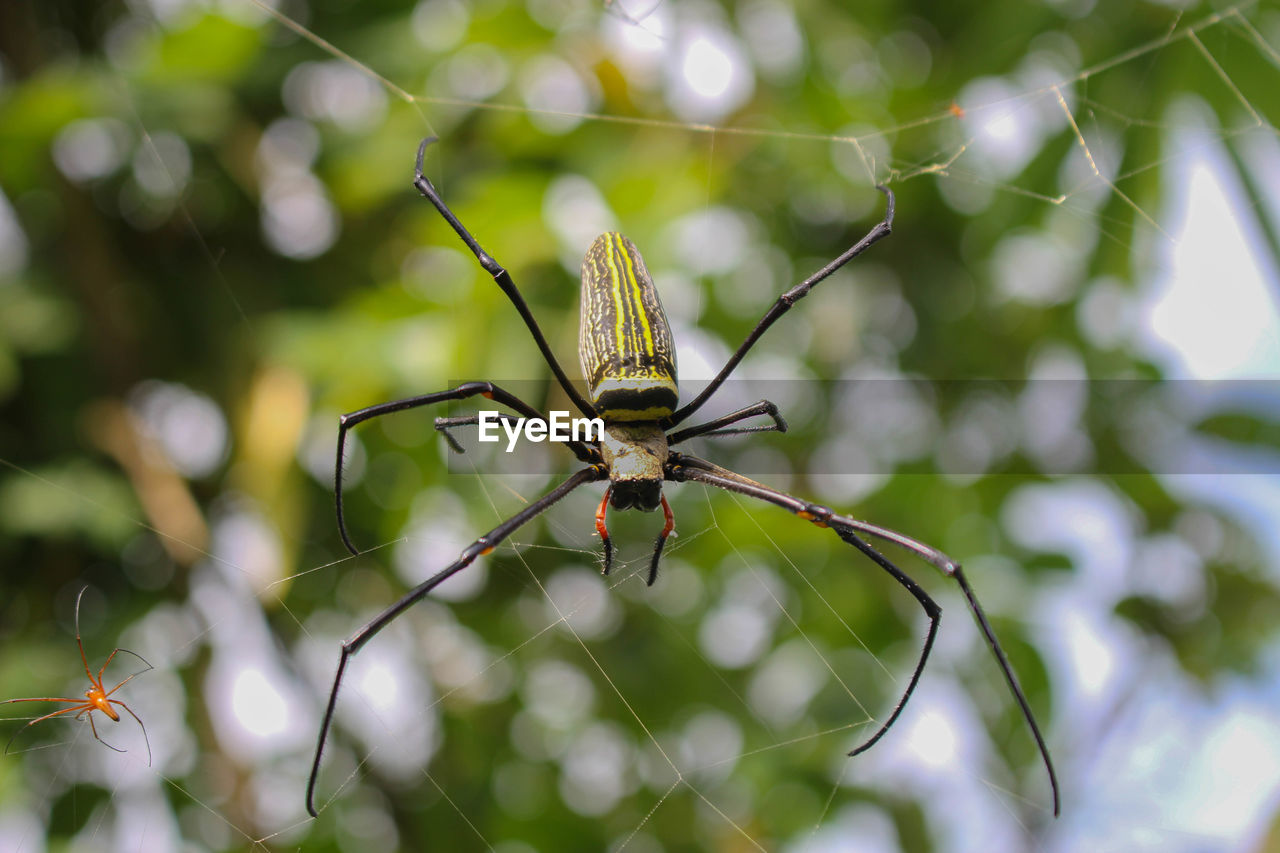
(628, 358)
(96, 698)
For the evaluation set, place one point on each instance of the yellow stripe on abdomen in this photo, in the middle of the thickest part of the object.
(624, 340)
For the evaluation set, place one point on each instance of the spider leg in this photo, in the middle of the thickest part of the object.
(98, 682)
(142, 725)
(482, 546)
(714, 475)
(83, 659)
(669, 524)
(44, 699)
(445, 427)
(717, 426)
(503, 279)
(783, 305)
(682, 468)
(105, 664)
(130, 678)
(951, 569)
(80, 706)
(468, 389)
(603, 529)
(94, 729)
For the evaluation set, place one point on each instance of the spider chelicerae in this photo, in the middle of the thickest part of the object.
(628, 358)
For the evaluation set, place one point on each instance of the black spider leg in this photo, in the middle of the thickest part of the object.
(482, 546)
(709, 429)
(668, 526)
(881, 230)
(501, 276)
(716, 427)
(445, 427)
(682, 468)
(461, 392)
(686, 468)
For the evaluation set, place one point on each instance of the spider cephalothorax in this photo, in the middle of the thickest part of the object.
(635, 454)
(628, 358)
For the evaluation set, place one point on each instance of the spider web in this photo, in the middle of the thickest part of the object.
(582, 727)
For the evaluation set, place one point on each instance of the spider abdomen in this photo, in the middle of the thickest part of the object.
(624, 340)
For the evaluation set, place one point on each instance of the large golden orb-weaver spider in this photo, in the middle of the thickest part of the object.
(628, 358)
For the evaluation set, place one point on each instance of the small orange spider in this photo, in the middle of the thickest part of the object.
(99, 698)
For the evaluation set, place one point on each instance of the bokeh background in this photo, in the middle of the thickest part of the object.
(1060, 369)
